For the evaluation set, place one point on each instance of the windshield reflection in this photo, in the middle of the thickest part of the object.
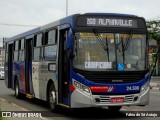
(91, 55)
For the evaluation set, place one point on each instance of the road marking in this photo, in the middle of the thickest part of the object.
(123, 109)
(19, 107)
(155, 92)
(24, 109)
(155, 88)
(132, 109)
(1, 99)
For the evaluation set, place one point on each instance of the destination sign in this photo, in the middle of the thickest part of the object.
(107, 22)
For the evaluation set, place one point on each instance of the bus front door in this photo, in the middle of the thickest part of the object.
(63, 70)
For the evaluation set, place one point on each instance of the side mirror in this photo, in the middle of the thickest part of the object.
(70, 40)
(69, 45)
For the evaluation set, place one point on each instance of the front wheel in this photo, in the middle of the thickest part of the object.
(52, 98)
(114, 108)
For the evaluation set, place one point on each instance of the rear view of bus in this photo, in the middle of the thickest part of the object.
(110, 61)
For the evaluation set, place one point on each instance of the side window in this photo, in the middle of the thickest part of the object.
(21, 50)
(37, 52)
(16, 47)
(50, 52)
(22, 44)
(50, 37)
(15, 56)
(38, 40)
(50, 49)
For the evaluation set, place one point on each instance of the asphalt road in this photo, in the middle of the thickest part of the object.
(96, 113)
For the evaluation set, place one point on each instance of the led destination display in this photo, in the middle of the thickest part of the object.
(92, 21)
(110, 22)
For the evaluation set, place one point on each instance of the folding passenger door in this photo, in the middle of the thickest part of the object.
(28, 65)
(63, 69)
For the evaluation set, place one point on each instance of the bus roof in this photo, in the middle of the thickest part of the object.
(112, 14)
(62, 21)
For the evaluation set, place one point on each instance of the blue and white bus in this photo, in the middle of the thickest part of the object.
(83, 60)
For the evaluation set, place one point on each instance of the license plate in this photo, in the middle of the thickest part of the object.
(117, 99)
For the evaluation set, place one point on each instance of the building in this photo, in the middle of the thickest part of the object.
(1, 57)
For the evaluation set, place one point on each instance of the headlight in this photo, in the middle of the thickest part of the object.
(81, 87)
(144, 87)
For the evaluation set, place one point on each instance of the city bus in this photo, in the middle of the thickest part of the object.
(80, 61)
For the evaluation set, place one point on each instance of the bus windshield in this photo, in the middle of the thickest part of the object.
(123, 51)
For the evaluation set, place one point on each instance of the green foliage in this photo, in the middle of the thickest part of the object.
(153, 29)
(154, 35)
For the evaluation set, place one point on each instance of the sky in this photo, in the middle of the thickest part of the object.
(40, 12)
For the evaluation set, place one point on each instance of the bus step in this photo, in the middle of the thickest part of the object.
(29, 96)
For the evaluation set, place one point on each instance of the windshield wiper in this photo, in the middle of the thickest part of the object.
(127, 43)
(123, 50)
(96, 33)
(105, 47)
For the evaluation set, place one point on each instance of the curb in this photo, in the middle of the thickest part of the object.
(155, 76)
(154, 88)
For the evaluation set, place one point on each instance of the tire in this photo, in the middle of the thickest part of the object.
(52, 98)
(114, 108)
(16, 88)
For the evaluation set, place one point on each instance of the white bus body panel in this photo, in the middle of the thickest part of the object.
(40, 77)
(79, 99)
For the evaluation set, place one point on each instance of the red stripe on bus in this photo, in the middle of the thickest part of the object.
(22, 77)
(71, 88)
(99, 88)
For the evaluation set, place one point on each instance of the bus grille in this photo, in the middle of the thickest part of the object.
(116, 79)
(113, 77)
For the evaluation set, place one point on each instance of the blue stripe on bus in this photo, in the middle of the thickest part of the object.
(118, 88)
(19, 70)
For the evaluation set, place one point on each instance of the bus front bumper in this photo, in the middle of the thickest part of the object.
(80, 99)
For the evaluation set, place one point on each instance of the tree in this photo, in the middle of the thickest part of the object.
(154, 29)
